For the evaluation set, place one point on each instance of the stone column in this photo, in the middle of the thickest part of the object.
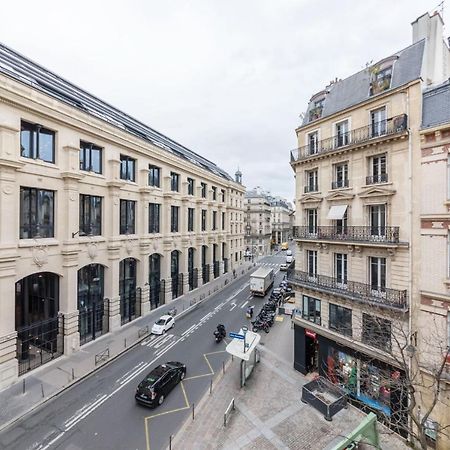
(166, 270)
(184, 265)
(143, 276)
(112, 276)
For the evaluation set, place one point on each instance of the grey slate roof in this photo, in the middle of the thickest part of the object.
(355, 89)
(436, 105)
(20, 68)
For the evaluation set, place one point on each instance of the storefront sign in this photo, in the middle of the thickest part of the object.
(310, 334)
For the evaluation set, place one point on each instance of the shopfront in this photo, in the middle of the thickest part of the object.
(370, 383)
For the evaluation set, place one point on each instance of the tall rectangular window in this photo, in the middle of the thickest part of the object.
(203, 190)
(174, 182)
(37, 142)
(214, 220)
(311, 256)
(340, 176)
(377, 220)
(214, 193)
(222, 193)
(378, 173)
(127, 168)
(342, 134)
(311, 218)
(377, 273)
(340, 319)
(223, 221)
(311, 309)
(174, 210)
(90, 157)
(127, 216)
(154, 176)
(340, 268)
(313, 142)
(312, 181)
(203, 220)
(36, 213)
(378, 122)
(154, 214)
(190, 186)
(90, 215)
(190, 221)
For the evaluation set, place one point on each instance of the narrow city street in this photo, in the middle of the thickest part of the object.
(101, 413)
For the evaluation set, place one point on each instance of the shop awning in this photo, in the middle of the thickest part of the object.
(337, 212)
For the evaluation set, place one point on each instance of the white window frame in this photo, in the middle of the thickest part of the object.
(307, 135)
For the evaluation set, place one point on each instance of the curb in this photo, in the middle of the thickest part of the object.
(109, 361)
(179, 434)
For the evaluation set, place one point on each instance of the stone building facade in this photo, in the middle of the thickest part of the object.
(280, 220)
(258, 227)
(102, 218)
(358, 173)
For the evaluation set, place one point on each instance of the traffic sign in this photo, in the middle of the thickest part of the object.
(236, 336)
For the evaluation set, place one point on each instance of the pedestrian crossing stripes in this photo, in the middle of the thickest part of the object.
(268, 264)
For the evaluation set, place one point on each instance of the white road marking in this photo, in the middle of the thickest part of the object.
(187, 331)
(234, 306)
(205, 317)
(167, 337)
(83, 411)
(243, 304)
(130, 371)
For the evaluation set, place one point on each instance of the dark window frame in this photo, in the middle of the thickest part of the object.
(174, 219)
(127, 168)
(174, 182)
(154, 217)
(313, 315)
(35, 208)
(34, 149)
(191, 186)
(203, 220)
(154, 176)
(214, 221)
(204, 187)
(127, 216)
(87, 150)
(377, 332)
(214, 193)
(341, 316)
(88, 205)
(190, 219)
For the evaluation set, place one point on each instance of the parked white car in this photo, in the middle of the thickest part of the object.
(284, 266)
(289, 253)
(163, 324)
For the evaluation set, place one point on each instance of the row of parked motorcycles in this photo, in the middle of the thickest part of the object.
(266, 317)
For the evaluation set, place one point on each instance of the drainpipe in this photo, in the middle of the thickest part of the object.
(411, 236)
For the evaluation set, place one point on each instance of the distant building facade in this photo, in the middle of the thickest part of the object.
(281, 212)
(102, 218)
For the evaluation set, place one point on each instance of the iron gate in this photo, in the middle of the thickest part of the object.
(177, 285)
(205, 273)
(157, 290)
(93, 321)
(193, 279)
(130, 306)
(39, 343)
(216, 269)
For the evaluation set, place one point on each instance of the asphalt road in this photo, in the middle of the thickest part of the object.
(100, 412)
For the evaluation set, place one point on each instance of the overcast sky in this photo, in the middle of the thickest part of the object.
(226, 78)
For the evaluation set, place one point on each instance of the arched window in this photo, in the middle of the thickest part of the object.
(155, 282)
(129, 307)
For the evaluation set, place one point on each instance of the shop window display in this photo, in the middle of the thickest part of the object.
(363, 381)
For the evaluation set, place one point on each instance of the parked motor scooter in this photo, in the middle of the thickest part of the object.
(220, 333)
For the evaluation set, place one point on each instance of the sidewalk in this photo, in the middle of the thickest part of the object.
(268, 411)
(40, 385)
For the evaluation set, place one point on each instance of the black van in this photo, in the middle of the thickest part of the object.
(153, 389)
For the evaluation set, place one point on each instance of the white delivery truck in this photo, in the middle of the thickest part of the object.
(261, 280)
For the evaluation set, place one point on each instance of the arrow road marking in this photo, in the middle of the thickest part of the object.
(234, 306)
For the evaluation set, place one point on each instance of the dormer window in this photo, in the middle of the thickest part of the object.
(316, 111)
(381, 76)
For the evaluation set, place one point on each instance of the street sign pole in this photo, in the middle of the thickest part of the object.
(245, 329)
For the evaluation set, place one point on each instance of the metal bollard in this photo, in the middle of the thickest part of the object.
(210, 387)
(125, 343)
(170, 442)
(73, 373)
(42, 390)
(23, 386)
(223, 366)
(193, 412)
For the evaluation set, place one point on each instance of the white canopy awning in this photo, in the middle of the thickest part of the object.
(243, 348)
(337, 212)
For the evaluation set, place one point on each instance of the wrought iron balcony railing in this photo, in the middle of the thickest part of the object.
(376, 179)
(311, 188)
(388, 127)
(388, 235)
(339, 184)
(366, 293)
